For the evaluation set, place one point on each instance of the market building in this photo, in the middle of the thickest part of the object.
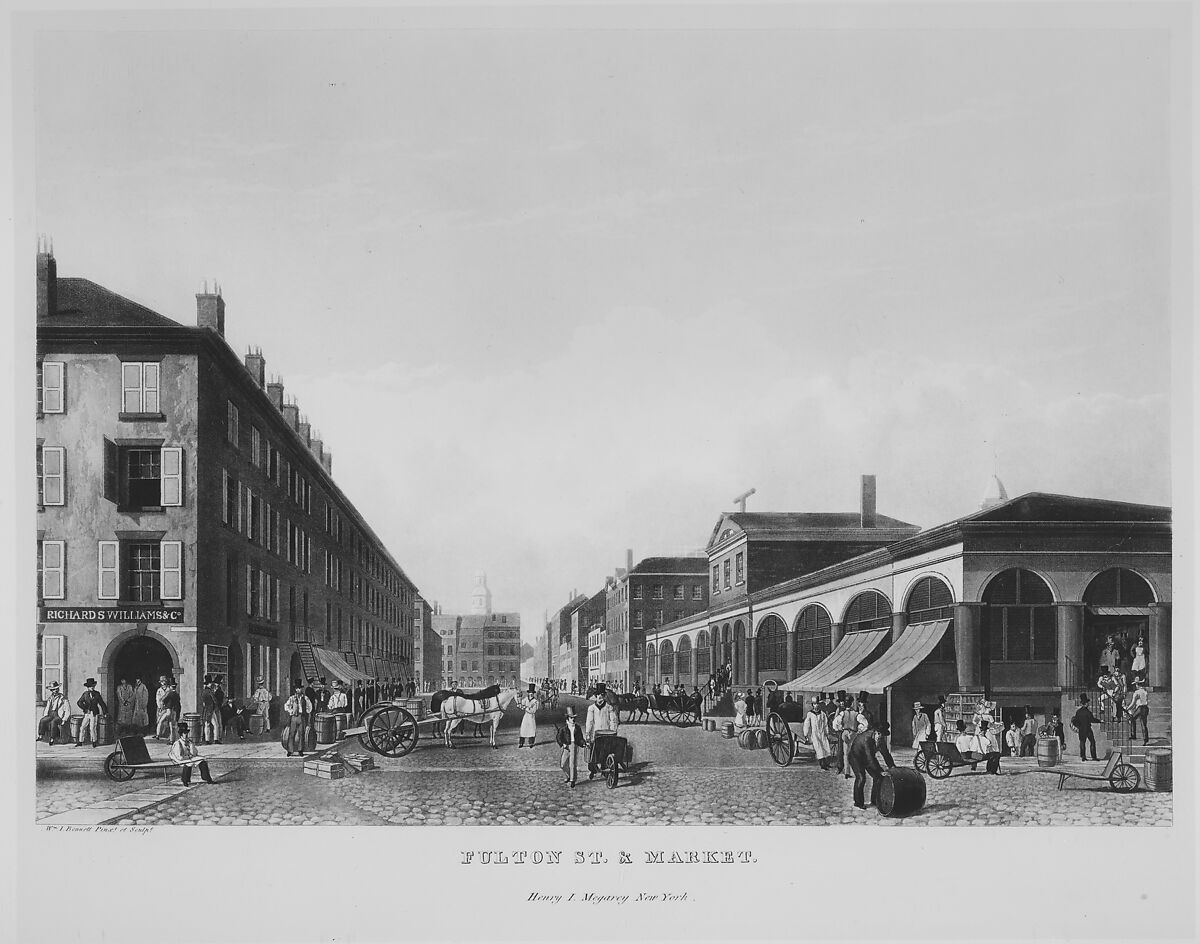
(188, 520)
(1013, 604)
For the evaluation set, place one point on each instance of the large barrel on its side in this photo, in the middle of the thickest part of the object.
(760, 738)
(1049, 752)
(326, 726)
(1158, 769)
(902, 792)
(746, 739)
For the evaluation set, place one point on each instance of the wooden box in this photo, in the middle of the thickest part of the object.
(360, 762)
(336, 774)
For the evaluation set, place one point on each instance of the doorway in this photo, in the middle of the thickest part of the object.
(1125, 632)
(141, 657)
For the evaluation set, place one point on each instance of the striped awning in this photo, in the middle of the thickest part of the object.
(336, 667)
(848, 656)
(909, 651)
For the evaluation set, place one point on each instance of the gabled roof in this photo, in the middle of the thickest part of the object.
(82, 303)
(671, 565)
(804, 525)
(1045, 506)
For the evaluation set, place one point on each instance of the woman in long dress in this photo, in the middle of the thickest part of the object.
(816, 731)
(529, 722)
(1139, 657)
(739, 712)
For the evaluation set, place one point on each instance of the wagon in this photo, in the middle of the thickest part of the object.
(940, 758)
(390, 729)
(679, 710)
(1121, 777)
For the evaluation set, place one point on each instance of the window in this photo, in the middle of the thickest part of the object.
(229, 500)
(256, 456)
(637, 591)
(868, 610)
(54, 660)
(658, 617)
(697, 593)
(814, 637)
(1118, 587)
(52, 387)
(53, 566)
(771, 644)
(716, 578)
(143, 571)
(139, 387)
(1020, 623)
(54, 475)
(657, 593)
(725, 570)
(678, 592)
(740, 567)
(143, 478)
(231, 585)
(231, 427)
(929, 600)
(703, 652)
(637, 619)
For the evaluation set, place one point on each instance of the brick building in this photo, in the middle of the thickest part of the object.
(188, 520)
(427, 646)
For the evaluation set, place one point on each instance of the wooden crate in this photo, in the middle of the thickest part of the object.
(336, 774)
(360, 762)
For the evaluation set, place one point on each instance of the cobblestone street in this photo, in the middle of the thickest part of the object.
(685, 776)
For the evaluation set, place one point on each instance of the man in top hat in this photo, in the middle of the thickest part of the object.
(1082, 722)
(231, 714)
(184, 753)
(863, 761)
(56, 715)
(530, 705)
(262, 703)
(1138, 708)
(570, 738)
(298, 708)
(93, 707)
(210, 715)
(602, 720)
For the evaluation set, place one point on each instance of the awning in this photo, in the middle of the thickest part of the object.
(336, 667)
(909, 651)
(1119, 610)
(844, 659)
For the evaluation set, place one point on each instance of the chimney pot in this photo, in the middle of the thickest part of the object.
(210, 311)
(291, 413)
(275, 393)
(867, 513)
(257, 365)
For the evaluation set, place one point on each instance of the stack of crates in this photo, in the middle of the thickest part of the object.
(327, 766)
(360, 762)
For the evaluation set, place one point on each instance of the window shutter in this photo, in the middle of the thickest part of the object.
(171, 569)
(150, 388)
(171, 483)
(112, 464)
(249, 590)
(54, 475)
(107, 585)
(53, 387)
(54, 661)
(53, 567)
(224, 496)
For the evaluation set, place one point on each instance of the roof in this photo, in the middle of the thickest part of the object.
(82, 303)
(671, 565)
(480, 620)
(1046, 506)
(771, 522)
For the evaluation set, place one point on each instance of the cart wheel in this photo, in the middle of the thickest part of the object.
(779, 740)
(365, 722)
(921, 762)
(1125, 778)
(938, 766)
(611, 772)
(393, 731)
(116, 769)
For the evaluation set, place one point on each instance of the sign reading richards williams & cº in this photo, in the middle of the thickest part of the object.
(112, 614)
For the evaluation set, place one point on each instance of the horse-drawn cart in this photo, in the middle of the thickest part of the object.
(392, 730)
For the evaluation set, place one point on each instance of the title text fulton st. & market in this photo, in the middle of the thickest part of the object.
(647, 857)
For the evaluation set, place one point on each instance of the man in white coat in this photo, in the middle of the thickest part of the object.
(262, 703)
(816, 732)
(602, 720)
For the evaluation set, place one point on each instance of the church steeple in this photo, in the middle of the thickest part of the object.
(481, 596)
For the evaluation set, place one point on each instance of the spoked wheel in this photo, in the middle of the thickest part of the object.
(392, 731)
(779, 740)
(116, 768)
(1125, 778)
(921, 762)
(365, 722)
(611, 771)
(671, 714)
(938, 766)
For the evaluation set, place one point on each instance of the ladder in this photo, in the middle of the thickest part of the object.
(308, 661)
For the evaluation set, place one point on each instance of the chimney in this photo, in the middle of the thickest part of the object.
(257, 365)
(210, 309)
(317, 446)
(628, 559)
(327, 461)
(47, 280)
(867, 514)
(304, 428)
(275, 393)
(291, 413)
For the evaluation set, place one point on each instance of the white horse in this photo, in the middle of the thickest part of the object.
(454, 710)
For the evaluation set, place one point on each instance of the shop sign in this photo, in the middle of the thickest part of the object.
(112, 614)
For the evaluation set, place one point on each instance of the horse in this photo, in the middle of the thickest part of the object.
(453, 709)
(633, 704)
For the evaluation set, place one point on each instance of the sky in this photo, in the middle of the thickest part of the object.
(548, 295)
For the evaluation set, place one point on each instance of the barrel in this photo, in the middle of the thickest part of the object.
(1049, 752)
(195, 723)
(258, 724)
(760, 738)
(76, 723)
(746, 739)
(1158, 769)
(416, 707)
(341, 721)
(326, 727)
(902, 792)
(105, 732)
(727, 729)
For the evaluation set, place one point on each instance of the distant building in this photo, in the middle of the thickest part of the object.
(479, 648)
(427, 646)
(585, 618)
(188, 520)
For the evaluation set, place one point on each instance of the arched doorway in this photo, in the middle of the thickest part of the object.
(141, 657)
